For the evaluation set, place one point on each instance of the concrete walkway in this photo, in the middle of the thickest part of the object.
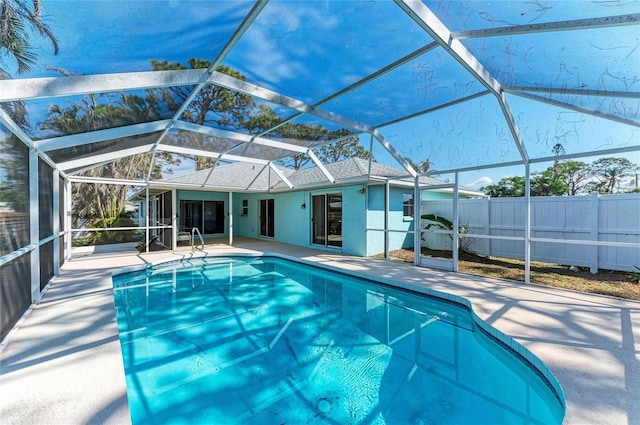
(64, 366)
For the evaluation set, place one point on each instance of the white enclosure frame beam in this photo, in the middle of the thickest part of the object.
(386, 218)
(417, 222)
(248, 187)
(416, 53)
(55, 209)
(280, 174)
(230, 218)
(429, 22)
(75, 171)
(100, 135)
(408, 58)
(68, 205)
(586, 154)
(436, 108)
(246, 23)
(320, 166)
(104, 180)
(108, 157)
(187, 151)
(581, 109)
(569, 25)
(237, 158)
(401, 160)
(17, 131)
(234, 84)
(39, 88)
(34, 228)
(235, 136)
(174, 219)
(213, 167)
(215, 155)
(456, 224)
(570, 91)
(527, 224)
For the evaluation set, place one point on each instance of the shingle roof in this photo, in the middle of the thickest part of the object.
(253, 177)
(238, 176)
(342, 170)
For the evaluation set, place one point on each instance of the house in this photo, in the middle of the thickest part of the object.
(299, 207)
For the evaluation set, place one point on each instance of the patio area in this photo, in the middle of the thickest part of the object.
(63, 364)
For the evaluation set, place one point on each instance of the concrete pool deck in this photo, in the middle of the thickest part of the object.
(63, 364)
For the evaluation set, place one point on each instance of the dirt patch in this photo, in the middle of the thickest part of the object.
(606, 282)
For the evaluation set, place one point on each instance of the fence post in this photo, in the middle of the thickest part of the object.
(593, 250)
(487, 225)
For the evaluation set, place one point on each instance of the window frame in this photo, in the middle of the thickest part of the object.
(408, 209)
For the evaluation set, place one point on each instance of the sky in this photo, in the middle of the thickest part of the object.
(309, 50)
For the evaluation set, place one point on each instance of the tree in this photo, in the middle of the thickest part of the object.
(215, 105)
(558, 150)
(212, 105)
(100, 205)
(422, 166)
(18, 19)
(346, 147)
(507, 187)
(14, 190)
(609, 173)
(546, 183)
(569, 178)
(575, 174)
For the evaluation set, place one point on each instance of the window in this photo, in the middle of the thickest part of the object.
(245, 207)
(207, 216)
(407, 205)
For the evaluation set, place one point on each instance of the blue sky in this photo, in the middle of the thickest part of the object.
(309, 50)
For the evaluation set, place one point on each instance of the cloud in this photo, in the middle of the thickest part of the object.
(482, 181)
(284, 53)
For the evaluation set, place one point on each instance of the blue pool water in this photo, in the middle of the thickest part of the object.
(266, 341)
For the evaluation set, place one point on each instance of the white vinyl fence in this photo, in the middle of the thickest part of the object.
(601, 218)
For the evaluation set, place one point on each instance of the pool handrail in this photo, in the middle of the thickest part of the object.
(193, 232)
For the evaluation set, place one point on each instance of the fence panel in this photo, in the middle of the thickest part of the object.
(561, 218)
(608, 218)
(619, 221)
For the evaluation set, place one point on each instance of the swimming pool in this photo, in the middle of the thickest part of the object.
(264, 340)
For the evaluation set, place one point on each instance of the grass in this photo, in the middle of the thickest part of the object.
(605, 282)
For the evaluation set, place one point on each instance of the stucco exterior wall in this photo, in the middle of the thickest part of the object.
(400, 225)
(293, 222)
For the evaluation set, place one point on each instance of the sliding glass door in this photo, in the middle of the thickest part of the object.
(326, 219)
(267, 217)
